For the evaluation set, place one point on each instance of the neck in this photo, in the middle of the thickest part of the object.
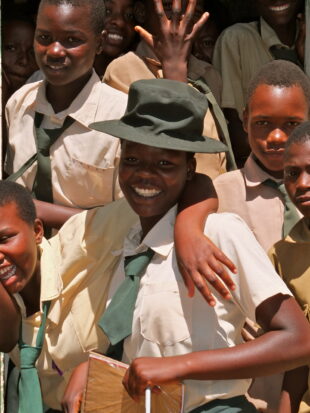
(274, 174)
(147, 223)
(101, 63)
(287, 33)
(61, 96)
(31, 292)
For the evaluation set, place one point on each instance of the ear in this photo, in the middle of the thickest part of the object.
(245, 118)
(191, 168)
(139, 12)
(38, 230)
(100, 40)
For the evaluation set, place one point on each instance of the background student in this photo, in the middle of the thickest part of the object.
(244, 48)
(290, 255)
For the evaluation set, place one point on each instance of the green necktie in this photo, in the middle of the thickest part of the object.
(29, 389)
(116, 321)
(42, 186)
(291, 216)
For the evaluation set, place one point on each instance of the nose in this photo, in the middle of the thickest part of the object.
(116, 19)
(303, 181)
(56, 50)
(276, 139)
(23, 59)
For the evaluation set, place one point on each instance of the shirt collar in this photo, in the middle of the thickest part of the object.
(269, 36)
(254, 175)
(160, 238)
(300, 233)
(83, 108)
(51, 282)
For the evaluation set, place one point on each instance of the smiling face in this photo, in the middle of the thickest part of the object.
(65, 43)
(279, 12)
(17, 52)
(119, 27)
(297, 175)
(153, 179)
(19, 240)
(271, 115)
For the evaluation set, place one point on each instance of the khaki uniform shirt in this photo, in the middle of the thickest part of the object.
(76, 268)
(262, 207)
(166, 322)
(239, 54)
(84, 162)
(142, 64)
(291, 260)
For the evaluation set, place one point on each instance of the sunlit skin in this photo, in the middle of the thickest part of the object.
(65, 47)
(271, 115)
(19, 259)
(297, 176)
(153, 179)
(18, 61)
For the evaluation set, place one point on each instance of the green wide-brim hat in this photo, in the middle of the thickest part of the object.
(164, 114)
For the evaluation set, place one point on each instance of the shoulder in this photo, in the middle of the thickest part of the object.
(226, 224)
(239, 31)
(105, 226)
(230, 179)
(25, 96)
(124, 70)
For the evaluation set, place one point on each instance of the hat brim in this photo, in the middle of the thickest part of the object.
(120, 129)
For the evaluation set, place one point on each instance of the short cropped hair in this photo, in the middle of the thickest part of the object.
(11, 192)
(300, 135)
(97, 10)
(281, 73)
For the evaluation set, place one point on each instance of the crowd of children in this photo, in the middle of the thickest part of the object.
(110, 147)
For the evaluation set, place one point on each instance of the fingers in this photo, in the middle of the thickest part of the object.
(176, 14)
(145, 35)
(188, 281)
(198, 25)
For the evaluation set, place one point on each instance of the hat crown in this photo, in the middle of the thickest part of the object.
(166, 107)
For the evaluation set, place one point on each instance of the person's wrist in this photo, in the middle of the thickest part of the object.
(175, 71)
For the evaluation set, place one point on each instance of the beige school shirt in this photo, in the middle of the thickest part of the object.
(76, 268)
(291, 260)
(262, 207)
(143, 64)
(239, 54)
(84, 162)
(166, 322)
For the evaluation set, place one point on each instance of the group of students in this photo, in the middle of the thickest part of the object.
(78, 157)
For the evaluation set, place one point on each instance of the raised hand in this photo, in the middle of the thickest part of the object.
(173, 42)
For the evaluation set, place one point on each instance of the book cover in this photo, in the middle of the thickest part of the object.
(105, 392)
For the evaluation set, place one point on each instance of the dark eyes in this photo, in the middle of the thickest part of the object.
(291, 173)
(9, 47)
(69, 41)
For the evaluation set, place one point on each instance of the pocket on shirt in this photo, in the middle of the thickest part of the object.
(87, 185)
(165, 317)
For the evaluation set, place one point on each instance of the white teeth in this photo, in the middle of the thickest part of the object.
(56, 67)
(280, 8)
(114, 36)
(7, 272)
(146, 193)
